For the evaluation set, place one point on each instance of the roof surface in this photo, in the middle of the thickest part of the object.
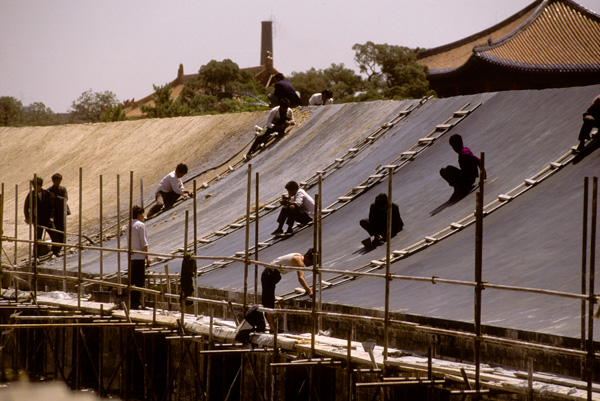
(532, 240)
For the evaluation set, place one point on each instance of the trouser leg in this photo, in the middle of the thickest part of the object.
(364, 223)
(137, 277)
(57, 236)
(586, 129)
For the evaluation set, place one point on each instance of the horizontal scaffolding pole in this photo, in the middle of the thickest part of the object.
(400, 382)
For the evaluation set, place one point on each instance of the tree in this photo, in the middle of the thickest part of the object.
(38, 114)
(164, 105)
(216, 77)
(392, 70)
(11, 111)
(91, 106)
(343, 81)
(114, 113)
(221, 87)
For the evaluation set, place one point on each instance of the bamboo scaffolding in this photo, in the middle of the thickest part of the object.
(588, 297)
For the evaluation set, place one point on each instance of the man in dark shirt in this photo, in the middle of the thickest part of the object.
(284, 90)
(591, 119)
(376, 224)
(463, 178)
(61, 210)
(42, 213)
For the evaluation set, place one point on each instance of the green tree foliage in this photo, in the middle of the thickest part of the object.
(91, 106)
(164, 105)
(11, 111)
(38, 114)
(392, 70)
(114, 113)
(343, 81)
(221, 87)
(217, 77)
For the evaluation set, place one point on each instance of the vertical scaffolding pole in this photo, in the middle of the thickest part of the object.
(185, 242)
(141, 193)
(129, 234)
(79, 237)
(119, 231)
(388, 276)
(592, 299)
(478, 270)
(101, 230)
(34, 218)
(320, 249)
(195, 249)
(2, 223)
(247, 243)
(64, 224)
(315, 259)
(16, 221)
(584, 260)
(256, 243)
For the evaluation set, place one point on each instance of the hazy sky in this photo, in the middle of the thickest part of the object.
(51, 51)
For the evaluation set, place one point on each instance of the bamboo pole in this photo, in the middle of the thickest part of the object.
(129, 235)
(584, 260)
(591, 282)
(256, 241)
(1, 223)
(34, 218)
(185, 241)
(315, 260)
(247, 239)
(119, 229)
(16, 222)
(388, 276)
(195, 248)
(101, 229)
(79, 237)
(320, 250)
(478, 272)
(141, 193)
(64, 248)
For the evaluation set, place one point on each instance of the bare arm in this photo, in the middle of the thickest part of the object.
(298, 262)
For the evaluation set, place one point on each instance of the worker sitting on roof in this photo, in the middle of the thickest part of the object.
(170, 190)
(462, 179)
(591, 119)
(279, 119)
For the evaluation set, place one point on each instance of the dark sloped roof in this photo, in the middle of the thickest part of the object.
(560, 36)
(546, 36)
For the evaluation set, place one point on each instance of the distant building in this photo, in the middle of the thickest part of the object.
(263, 74)
(548, 44)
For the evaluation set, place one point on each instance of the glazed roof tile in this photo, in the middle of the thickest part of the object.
(548, 35)
(559, 36)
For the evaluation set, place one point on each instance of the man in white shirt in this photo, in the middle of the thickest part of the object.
(170, 190)
(271, 276)
(139, 242)
(298, 206)
(279, 119)
(321, 99)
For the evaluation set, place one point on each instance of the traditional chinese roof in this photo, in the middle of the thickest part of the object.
(546, 36)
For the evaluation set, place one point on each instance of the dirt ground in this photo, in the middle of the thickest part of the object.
(149, 148)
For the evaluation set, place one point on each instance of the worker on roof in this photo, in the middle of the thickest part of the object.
(462, 179)
(591, 119)
(279, 119)
(321, 99)
(284, 90)
(297, 206)
(376, 224)
(170, 190)
(271, 276)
